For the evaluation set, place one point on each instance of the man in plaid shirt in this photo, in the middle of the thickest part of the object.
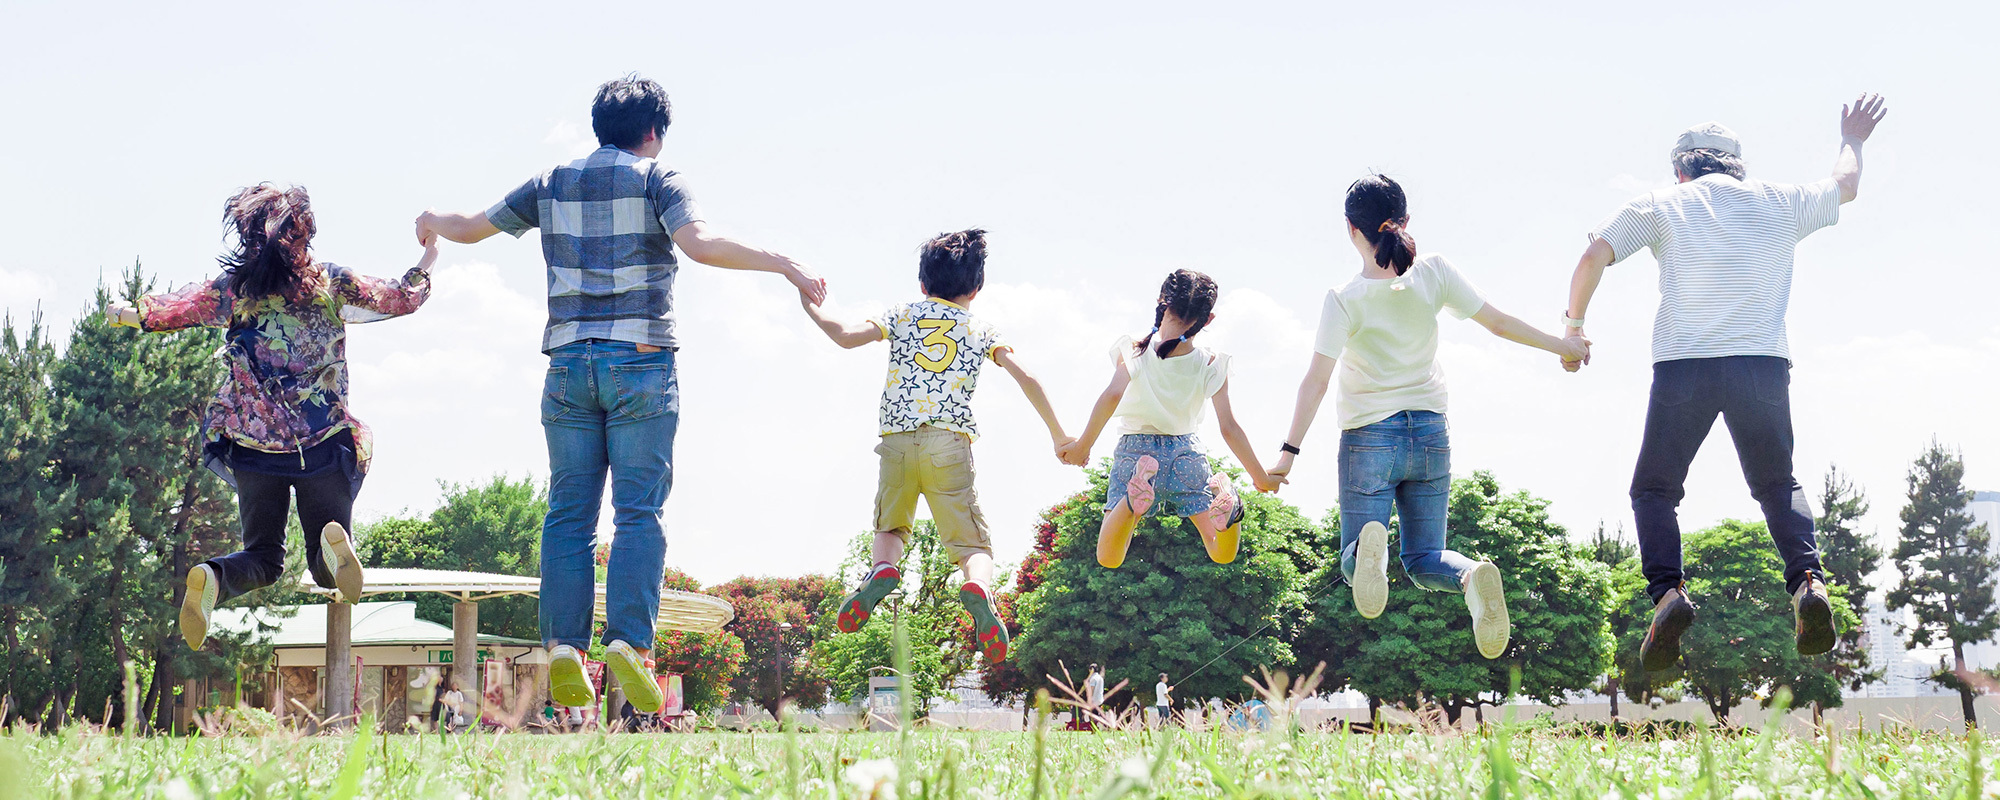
(611, 400)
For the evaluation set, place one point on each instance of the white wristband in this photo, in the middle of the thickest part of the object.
(1571, 322)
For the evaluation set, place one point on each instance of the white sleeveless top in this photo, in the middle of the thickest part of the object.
(1167, 396)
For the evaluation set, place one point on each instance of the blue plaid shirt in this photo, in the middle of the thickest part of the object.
(607, 221)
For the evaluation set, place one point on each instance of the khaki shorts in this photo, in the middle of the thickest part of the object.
(937, 464)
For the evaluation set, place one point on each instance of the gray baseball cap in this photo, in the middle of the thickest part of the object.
(1710, 136)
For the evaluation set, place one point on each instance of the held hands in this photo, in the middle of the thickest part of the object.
(1268, 482)
(426, 230)
(812, 287)
(1576, 350)
(1857, 121)
(1277, 475)
(121, 313)
(430, 255)
(1073, 452)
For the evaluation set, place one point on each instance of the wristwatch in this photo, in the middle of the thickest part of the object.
(1286, 447)
(1571, 322)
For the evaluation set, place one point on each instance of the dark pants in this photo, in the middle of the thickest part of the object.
(1753, 396)
(264, 500)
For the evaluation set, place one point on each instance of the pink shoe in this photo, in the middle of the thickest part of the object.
(1139, 490)
(1222, 511)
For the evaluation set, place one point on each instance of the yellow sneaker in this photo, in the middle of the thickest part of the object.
(567, 682)
(635, 676)
(198, 605)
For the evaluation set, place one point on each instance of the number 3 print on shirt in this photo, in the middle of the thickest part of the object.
(939, 334)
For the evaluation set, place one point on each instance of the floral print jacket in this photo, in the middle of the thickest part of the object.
(286, 357)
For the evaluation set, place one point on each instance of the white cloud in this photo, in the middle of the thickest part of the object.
(22, 291)
(1628, 183)
(570, 140)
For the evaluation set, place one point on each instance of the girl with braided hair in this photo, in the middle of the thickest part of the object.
(279, 424)
(1380, 332)
(1158, 386)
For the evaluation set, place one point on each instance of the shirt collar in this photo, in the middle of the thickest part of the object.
(946, 302)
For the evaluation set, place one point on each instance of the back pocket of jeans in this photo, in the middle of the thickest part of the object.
(554, 386)
(643, 391)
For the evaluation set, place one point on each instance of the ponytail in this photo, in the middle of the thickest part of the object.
(1377, 207)
(1191, 296)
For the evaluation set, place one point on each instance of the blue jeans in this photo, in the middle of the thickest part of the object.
(606, 407)
(1403, 464)
(1753, 396)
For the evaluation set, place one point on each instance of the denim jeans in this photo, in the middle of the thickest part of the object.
(606, 408)
(1753, 396)
(1402, 463)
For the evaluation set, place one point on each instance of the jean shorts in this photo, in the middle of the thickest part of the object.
(1180, 489)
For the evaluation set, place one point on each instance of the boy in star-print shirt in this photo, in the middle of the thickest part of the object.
(936, 348)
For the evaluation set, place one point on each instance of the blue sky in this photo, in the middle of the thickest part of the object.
(1104, 146)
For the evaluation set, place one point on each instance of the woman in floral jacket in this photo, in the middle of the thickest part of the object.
(279, 422)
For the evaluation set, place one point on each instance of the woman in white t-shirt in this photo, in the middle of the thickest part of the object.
(1158, 390)
(1380, 334)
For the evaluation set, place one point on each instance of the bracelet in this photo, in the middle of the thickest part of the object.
(1286, 447)
(1571, 322)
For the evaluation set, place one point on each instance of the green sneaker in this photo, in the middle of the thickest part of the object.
(986, 625)
(635, 676)
(855, 608)
(567, 682)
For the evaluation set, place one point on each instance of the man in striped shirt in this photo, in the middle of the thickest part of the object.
(1724, 245)
(611, 399)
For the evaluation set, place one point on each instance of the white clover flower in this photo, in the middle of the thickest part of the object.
(632, 775)
(177, 789)
(1747, 792)
(1668, 793)
(1874, 783)
(1611, 794)
(1136, 770)
(875, 780)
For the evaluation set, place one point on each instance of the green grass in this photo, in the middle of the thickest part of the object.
(942, 764)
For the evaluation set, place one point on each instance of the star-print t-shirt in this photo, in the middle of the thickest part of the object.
(935, 351)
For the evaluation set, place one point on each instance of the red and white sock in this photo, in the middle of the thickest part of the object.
(876, 571)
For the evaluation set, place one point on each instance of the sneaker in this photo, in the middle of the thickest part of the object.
(198, 605)
(1371, 571)
(855, 608)
(1671, 617)
(1224, 514)
(986, 625)
(1139, 490)
(1815, 617)
(567, 683)
(336, 548)
(635, 676)
(1487, 600)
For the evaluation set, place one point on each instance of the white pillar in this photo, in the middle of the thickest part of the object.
(339, 662)
(465, 650)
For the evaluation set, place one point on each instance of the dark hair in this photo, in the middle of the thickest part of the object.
(1700, 161)
(953, 264)
(1093, 668)
(627, 109)
(1191, 296)
(1163, 676)
(274, 230)
(1377, 207)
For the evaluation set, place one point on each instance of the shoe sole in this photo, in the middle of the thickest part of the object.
(347, 570)
(194, 624)
(1662, 647)
(1487, 600)
(1815, 634)
(856, 608)
(1223, 549)
(567, 684)
(640, 688)
(986, 626)
(1371, 571)
(1142, 476)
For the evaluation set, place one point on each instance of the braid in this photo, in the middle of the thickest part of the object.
(1191, 296)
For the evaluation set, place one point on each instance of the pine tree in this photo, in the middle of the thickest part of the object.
(1849, 556)
(1947, 569)
(26, 560)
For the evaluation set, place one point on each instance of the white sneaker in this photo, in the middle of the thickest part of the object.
(1487, 600)
(635, 676)
(198, 605)
(336, 548)
(567, 682)
(1371, 571)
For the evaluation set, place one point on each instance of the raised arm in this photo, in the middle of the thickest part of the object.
(716, 250)
(366, 298)
(196, 305)
(1077, 453)
(846, 334)
(1239, 442)
(1857, 123)
(1575, 352)
(1312, 391)
(460, 228)
(1033, 389)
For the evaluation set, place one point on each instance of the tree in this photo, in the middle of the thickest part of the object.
(1849, 557)
(492, 527)
(1421, 649)
(763, 607)
(1946, 566)
(1005, 682)
(1169, 608)
(1628, 583)
(1741, 644)
(27, 431)
(708, 663)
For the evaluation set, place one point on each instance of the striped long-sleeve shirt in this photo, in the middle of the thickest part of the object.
(1725, 250)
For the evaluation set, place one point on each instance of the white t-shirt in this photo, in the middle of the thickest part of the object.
(1725, 250)
(1167, 395)
(1385, 333)
(935, 351)
(1093, 687)
(1162, 695)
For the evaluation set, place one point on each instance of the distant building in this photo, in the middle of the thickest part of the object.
(1985, 508)
(1905, 672)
